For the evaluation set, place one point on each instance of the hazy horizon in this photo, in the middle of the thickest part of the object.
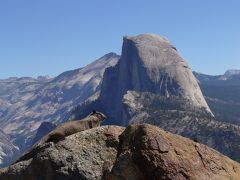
(48, 38)
(53, 76)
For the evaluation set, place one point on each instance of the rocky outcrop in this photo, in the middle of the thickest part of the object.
(84, 155)
(150, 63)
(112, 152)
(148, 152)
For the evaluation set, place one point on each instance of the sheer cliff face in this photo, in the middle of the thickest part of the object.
(149, 63)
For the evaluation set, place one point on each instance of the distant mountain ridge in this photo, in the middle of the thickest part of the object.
(28, 102)
(8, 151)
(222, 93)
(232, 72)
(230, 77)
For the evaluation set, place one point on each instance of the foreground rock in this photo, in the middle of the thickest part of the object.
(143, 152)
(148, 152)
(85, 155)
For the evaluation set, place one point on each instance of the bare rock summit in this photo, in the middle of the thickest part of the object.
(150, 63)
(139, 152)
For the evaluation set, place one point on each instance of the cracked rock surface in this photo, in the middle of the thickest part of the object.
(148, 152)
(84, 155)
(139, 152)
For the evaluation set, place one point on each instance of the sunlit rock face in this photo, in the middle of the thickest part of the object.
(150, 63)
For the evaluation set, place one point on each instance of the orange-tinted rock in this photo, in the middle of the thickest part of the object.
(140, 152)
(148, 152)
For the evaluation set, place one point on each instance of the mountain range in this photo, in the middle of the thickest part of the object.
(149, 83)
(222, 95)
(26, 102)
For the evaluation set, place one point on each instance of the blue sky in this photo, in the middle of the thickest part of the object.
(51, 36)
